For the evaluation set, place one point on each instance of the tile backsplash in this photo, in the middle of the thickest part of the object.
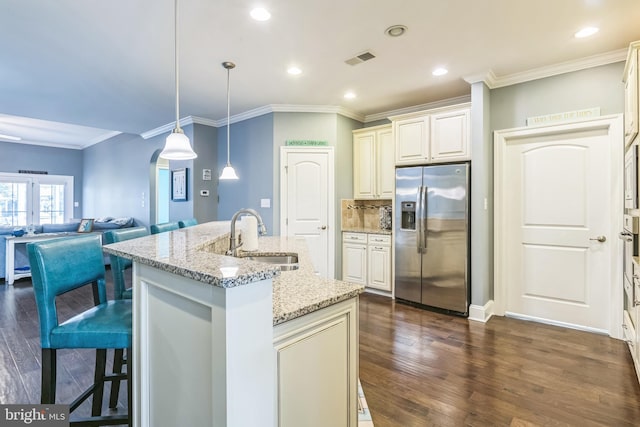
(365, 214)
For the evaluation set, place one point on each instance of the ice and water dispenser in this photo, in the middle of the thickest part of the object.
(408, 210)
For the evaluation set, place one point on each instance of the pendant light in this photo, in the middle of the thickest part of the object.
(177, 145)
(228, 172)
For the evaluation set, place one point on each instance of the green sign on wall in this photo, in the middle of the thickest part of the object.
(305, 143)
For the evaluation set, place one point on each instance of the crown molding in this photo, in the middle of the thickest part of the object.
(493, 82)
(488, 77)
(428, 106)
(256, 112)
(185, 121)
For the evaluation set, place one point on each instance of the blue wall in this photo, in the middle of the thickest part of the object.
(252, 157)
(116, 174)
(56, 161)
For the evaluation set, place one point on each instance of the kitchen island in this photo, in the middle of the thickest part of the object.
(225, 341)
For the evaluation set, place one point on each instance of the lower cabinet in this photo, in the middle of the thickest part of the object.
(630, 329)
(366, 259)
(317, 368)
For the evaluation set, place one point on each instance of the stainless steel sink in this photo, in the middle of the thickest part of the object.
(286, 262)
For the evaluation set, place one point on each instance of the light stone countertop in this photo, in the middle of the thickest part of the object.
(365, 230)
(195, 253)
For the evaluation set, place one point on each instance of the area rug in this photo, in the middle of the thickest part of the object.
(364, 416)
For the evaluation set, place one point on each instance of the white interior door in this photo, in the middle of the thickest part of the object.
(556, 225)
(307, 202)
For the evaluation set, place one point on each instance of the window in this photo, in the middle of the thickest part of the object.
(35, 199)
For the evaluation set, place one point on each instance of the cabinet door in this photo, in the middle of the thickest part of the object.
(379, 267)
(363, 166)
(412, 140)
(630, 178)
(354, 263)
(317, 365)
(386, 171)
(450, 136)
(631, 110)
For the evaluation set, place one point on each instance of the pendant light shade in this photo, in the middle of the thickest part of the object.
(228, 172)
(177, 146)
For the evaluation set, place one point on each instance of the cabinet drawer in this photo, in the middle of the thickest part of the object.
(629, 332)
(379, 239)
(354, 237)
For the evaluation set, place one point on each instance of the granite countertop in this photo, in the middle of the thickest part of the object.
(196, 253)
(366, 230)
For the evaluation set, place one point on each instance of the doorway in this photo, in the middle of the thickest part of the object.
(307, 203)
(558, 208)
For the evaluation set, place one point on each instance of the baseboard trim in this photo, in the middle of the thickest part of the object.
(378, 292)
(481, 313)
(556, 323)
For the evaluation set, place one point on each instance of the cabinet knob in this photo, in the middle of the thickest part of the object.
(324, 227)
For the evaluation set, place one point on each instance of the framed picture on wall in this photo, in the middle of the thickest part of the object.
(86, 225)
(179, 184)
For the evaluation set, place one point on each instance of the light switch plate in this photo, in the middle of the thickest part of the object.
(265, 203)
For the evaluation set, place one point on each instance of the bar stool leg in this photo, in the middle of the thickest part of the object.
(48, 390)
(118, 356)
(101, 362)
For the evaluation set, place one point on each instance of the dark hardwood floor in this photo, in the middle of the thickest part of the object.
(417, 368)
(420, 368)
(20, 350)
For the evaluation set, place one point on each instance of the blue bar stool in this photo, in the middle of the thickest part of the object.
(120, 291)
(187, 222)
(119, 264)
(165, 226)
(62, 265)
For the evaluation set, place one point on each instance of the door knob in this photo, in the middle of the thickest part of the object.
(600, 239)
(626, 236)
(324, 227)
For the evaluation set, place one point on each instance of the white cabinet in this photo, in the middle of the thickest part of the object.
(450, 136)
(366, 259)
(317, 368)
(373, 166)
(411, 140)
(631, 85)
(433, 136)
(354, 258)
(379, 262)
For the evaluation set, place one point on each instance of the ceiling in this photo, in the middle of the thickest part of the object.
(87, 70)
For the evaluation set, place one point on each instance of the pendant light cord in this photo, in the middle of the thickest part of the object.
(228, 116)
(177, 71)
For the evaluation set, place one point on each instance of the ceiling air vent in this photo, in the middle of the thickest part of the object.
(360, 58)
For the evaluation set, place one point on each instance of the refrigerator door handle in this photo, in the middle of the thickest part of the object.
(421, 219)
(418, 221)
(423, 216)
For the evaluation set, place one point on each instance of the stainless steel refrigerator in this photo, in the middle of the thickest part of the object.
(432, 245)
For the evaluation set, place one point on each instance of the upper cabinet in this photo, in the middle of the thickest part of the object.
(434, 136)
(412, 140)
(373, 168)
(631, 110)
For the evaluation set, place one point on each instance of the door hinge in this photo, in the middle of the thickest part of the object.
(286, 221)
(286, 169)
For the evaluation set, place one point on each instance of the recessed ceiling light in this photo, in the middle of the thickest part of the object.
(586, 32)
(294, 71)
(440, 71)
(10, 138)
(349, 95)
(395, 30)
(260, 14)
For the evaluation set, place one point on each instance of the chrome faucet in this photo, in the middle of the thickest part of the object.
(262, 230)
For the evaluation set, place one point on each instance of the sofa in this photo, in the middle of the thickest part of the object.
(21, 259)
